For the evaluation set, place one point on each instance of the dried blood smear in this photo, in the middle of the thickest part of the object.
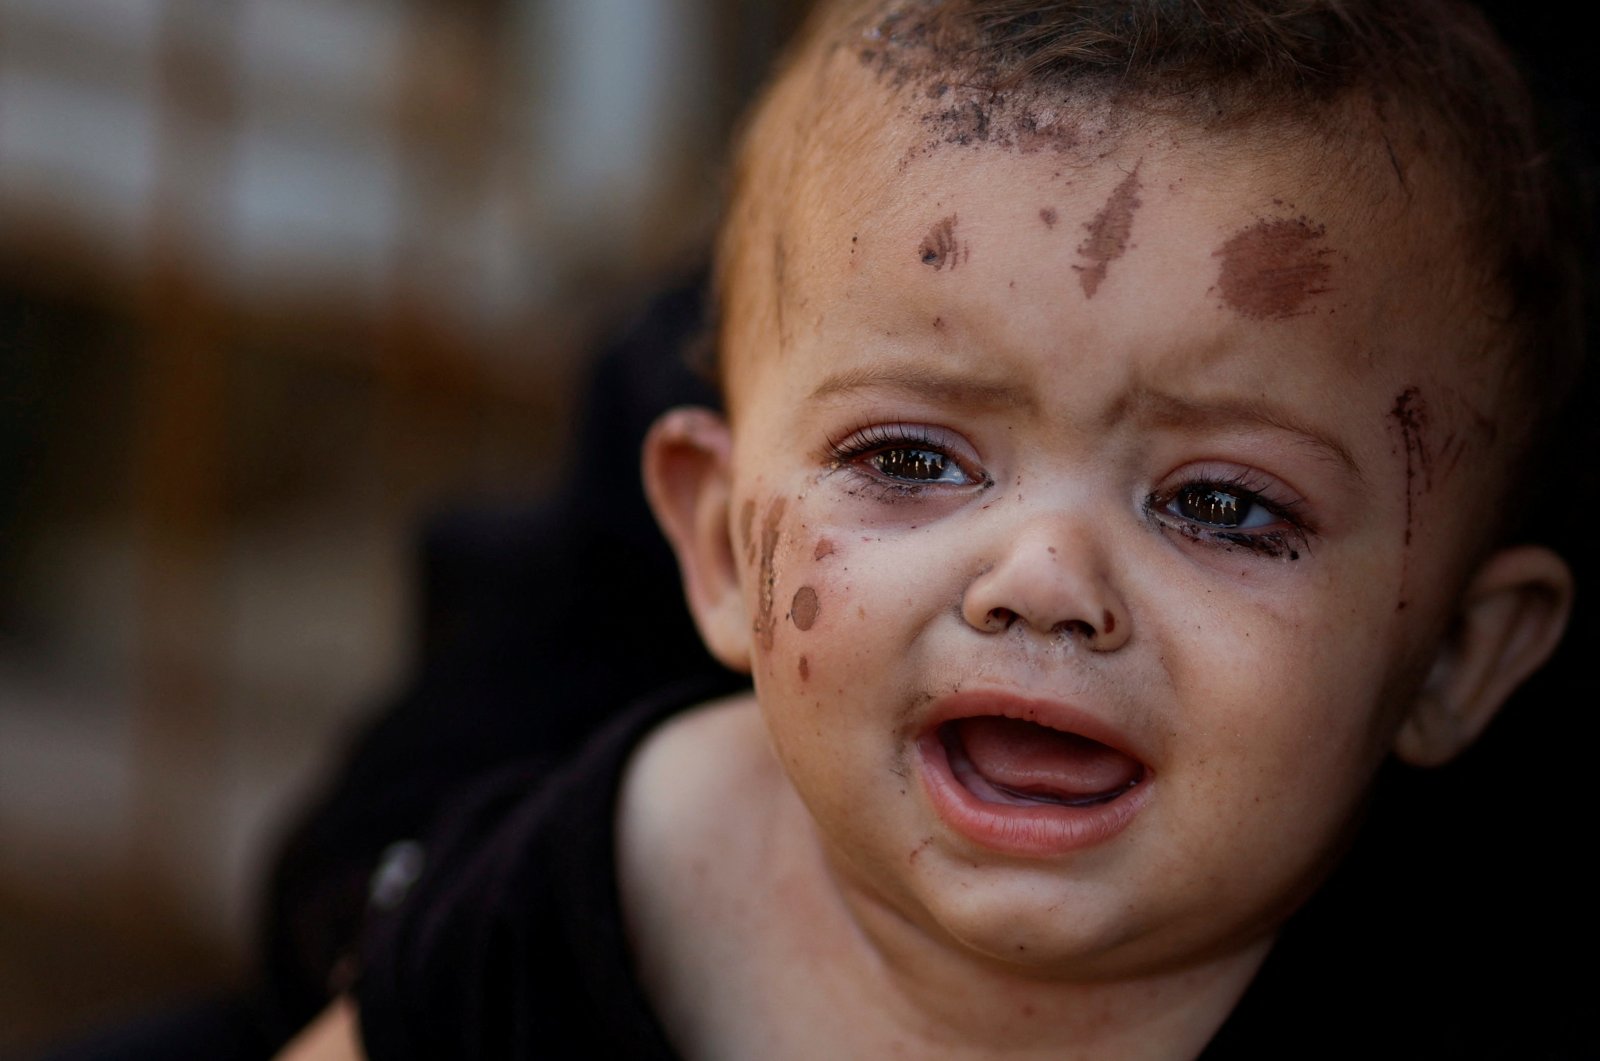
(765, 628)
(939, 247)
(1108, 233)
(804, 608)
(1271, 269)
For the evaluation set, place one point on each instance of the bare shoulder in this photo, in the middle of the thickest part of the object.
(679, 782)
(334, 1036)
(690, 859)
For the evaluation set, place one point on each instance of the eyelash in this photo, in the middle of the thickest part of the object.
(854, 451)
(1250, 492)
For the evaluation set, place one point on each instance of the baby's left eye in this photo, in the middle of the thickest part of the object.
(1213, 505)
(1234, 508)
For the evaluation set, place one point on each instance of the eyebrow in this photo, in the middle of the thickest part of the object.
(930, 384)
(1145, 404)
(1156, 407)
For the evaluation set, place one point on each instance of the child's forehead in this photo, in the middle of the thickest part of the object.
(1140, 180)
(843, 150)
(1281, 226)
(861, 153)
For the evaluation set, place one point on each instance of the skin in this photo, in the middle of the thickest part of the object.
(1262, 672)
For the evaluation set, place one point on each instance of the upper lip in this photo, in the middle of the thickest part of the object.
(1053, 714)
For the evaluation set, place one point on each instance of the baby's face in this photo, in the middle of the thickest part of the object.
(1097, 524)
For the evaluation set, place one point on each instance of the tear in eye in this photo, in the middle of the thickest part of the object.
(918, 466)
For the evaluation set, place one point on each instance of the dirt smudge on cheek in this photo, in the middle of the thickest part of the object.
(1109, 232)
(1408, 417)
(824, 549)
(804, 608)
(940, 247)
(747, 522)
(1408, 420)
(1271, 269)
(765, 628)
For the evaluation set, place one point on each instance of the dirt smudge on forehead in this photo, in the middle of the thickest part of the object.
(766, 584)
(1271, 269)
(1108, 233)
(940, 246)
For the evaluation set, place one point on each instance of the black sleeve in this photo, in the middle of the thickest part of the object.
(537, 625)
(503, 936)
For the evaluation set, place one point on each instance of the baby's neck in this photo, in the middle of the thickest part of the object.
(752, 942)
(967, 1005)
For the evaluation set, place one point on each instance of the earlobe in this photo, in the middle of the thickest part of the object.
(688, 479)
(1512, 615)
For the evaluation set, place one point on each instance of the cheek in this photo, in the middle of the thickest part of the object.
(816, 615)
(1293, 696)
(809, 661)
(1283, 726)
(805, 608)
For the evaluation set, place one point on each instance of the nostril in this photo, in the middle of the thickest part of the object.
(1001, 618)
(1074, 628)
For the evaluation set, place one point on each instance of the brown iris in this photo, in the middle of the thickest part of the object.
(912, 465)
(1219, 508)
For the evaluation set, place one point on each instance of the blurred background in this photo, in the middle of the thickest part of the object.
(277, 279)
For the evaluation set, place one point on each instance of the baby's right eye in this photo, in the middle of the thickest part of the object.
(916, 465)
(905, 459)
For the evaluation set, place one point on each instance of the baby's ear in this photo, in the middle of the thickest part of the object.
(688, 478)
(1512, 614)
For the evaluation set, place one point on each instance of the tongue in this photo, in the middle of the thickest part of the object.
(1032, 761)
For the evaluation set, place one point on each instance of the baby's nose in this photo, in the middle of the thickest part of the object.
(1053, 578)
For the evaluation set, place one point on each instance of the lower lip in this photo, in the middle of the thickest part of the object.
(1042, 831)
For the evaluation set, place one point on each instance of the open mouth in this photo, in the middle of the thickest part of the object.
(1009, 760)
(1026, 788)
